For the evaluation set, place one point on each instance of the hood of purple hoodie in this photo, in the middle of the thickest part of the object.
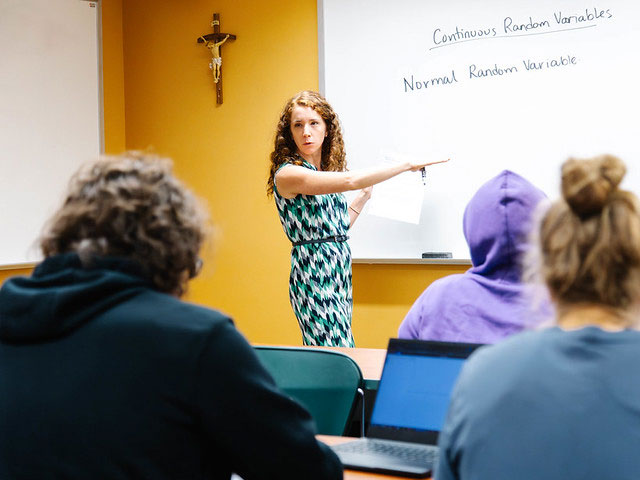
(488, 302)
(497, 222)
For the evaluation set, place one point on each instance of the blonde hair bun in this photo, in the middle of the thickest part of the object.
(587, 184)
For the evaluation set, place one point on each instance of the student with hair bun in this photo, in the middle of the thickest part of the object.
(564, 402)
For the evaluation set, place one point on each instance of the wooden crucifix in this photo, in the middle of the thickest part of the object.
(213, 41)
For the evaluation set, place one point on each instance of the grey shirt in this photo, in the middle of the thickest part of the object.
(550, 404)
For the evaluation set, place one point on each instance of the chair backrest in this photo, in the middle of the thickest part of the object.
(325, 382)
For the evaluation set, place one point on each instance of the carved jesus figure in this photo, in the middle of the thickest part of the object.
(216, 58)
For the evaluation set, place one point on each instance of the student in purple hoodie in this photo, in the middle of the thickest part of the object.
(488, 302)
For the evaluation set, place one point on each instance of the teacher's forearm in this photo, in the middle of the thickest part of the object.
(355, 208)
(370, 176)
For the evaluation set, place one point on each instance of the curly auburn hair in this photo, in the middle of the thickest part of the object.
(285, 149)
(131, 206)
(590, 239)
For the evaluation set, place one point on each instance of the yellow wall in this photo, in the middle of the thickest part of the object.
(157, 77)
(4, 274)
(222, 152)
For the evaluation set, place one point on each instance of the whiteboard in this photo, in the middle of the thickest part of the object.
(50, 115)
(492, 85)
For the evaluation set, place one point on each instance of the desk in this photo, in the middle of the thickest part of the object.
(370, 361)
(353, 474)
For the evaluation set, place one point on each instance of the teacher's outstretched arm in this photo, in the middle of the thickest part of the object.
(294, 180)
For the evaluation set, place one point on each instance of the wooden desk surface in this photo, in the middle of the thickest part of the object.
(353, 474)
(370, 361)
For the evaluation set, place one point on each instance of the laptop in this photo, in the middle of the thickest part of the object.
(409, 410)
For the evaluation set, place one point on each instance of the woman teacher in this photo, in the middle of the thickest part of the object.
(307, 177)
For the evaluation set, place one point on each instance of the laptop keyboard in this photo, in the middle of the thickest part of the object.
(415, 454)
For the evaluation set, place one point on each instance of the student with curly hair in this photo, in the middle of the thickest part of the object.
(308, 174)
(106, 373)
(563, 402)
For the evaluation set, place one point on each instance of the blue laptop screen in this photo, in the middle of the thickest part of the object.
(414, 391)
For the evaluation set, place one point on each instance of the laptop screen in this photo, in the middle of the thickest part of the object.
(415, 388)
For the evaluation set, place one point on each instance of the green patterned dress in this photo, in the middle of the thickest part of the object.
(320, 280)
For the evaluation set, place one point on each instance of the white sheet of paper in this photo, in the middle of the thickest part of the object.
(399, 198)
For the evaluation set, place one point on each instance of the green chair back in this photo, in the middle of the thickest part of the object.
(325, 382)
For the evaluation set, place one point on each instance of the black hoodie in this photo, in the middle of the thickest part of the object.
(103, 377)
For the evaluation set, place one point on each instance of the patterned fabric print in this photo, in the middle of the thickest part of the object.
(320, 282)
